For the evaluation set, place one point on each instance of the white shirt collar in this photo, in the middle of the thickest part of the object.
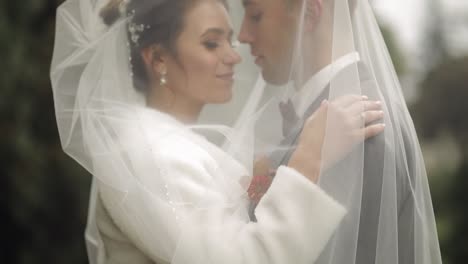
(319, 81)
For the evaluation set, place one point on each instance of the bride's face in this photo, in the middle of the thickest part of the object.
(204, 67)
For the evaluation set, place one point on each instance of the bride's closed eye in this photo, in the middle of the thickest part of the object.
(214, 44)
(211, 45)
(218, 37)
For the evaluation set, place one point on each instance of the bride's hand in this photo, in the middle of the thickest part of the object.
(343, 122)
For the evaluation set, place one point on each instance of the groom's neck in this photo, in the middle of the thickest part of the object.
(314, 59)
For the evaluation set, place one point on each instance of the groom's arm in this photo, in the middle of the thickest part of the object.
(374, 161)
(374, 150)
(373, 184)
(406, 172)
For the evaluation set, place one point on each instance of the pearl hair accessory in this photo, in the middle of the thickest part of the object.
(135, 29)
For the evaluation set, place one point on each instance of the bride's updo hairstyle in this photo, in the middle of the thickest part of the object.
(150, 22)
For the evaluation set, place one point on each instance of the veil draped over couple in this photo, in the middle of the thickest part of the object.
(240, 131)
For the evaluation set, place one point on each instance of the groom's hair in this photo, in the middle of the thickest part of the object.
(351, 3)
(161, 23)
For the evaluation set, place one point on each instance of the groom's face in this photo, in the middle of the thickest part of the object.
(269, 28)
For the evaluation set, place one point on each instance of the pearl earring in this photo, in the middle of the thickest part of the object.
(162, 79)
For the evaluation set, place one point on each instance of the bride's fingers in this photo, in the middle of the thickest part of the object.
(372, 116)
(371, 131)
(347, 100)
(367, 117)
(362, 106)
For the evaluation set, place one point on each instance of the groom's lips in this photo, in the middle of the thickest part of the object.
(258, 60)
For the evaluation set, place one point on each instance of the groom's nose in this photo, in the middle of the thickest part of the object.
(245, 34)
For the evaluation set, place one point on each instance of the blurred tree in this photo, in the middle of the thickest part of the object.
(43, 193)
(394, 49)
(442, 107)
(435, 40)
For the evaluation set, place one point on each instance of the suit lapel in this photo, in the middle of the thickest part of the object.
(289, 143)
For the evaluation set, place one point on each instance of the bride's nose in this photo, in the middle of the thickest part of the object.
(231, 57)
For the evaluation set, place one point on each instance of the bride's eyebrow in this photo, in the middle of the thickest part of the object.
(218, 31)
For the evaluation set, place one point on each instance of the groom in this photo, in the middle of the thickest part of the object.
(269, 28)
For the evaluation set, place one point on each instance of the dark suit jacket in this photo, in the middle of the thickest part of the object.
(373, 179)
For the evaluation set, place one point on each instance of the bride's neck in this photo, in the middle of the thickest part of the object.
(181, 108)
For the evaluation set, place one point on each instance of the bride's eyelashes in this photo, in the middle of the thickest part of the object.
(213, 45)
(210, 45)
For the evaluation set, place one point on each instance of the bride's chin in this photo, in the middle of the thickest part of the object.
(224, 97)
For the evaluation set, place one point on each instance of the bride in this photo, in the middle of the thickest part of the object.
(131, 80)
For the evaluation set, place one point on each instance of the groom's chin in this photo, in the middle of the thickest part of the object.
(274, 78)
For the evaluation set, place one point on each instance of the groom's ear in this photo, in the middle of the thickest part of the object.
(313, 14)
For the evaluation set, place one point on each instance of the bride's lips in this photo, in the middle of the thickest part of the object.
(226, 76)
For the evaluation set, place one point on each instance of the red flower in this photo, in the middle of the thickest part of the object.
(258, 187)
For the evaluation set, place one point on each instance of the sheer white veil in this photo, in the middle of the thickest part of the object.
(105, 125)
(383, 183)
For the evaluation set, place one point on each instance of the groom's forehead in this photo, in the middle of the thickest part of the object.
(248, 3)
(259, 3)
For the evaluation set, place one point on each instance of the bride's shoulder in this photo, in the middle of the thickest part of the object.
(165, 137)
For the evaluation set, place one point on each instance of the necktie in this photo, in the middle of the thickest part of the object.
(289, 115)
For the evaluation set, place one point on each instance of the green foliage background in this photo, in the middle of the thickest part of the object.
(44, 194)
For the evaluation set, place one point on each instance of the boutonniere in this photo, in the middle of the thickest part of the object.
(258, 187)
(262, 178)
